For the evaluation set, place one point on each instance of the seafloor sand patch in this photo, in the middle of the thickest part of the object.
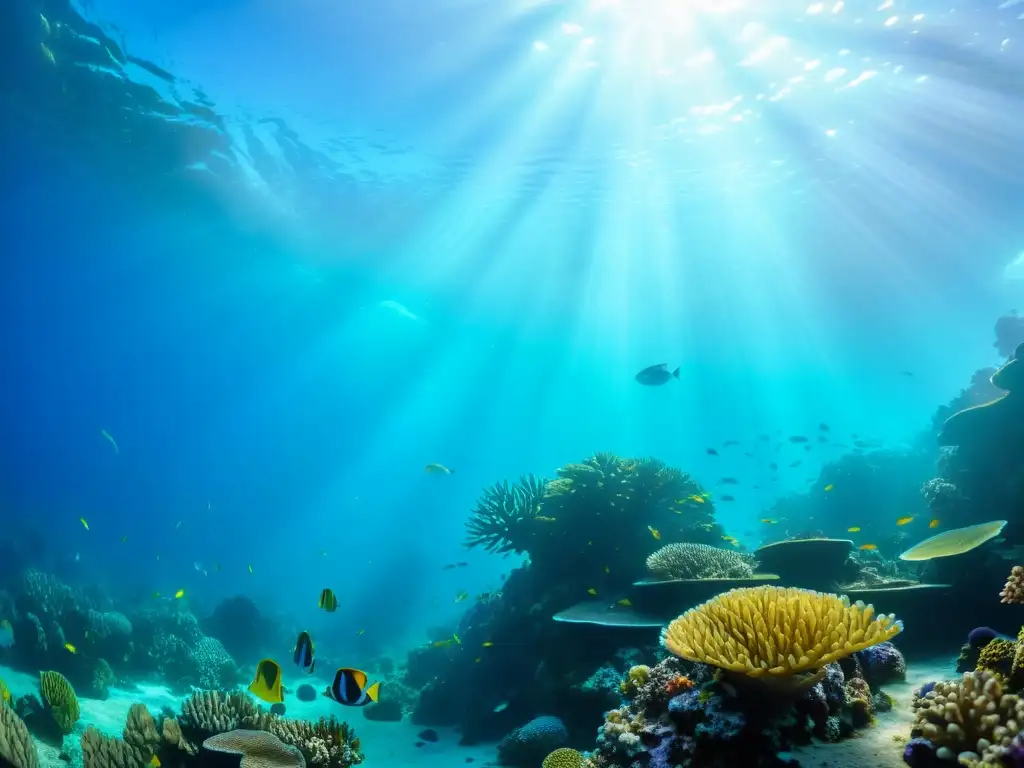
(386, 745)
(878, 747)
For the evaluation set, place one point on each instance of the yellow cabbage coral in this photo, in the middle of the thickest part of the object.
(60, 697)
(776, 631)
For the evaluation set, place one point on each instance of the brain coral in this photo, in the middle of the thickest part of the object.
(563, 758)
(698, 561)
(776, 631)
(528, 744)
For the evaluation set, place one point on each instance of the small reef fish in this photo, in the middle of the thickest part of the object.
(905, 520)
(6, 634)
(729, 481)
(853, 529)
(84, 522)
(349, 688)
(711, 452)
(438, 469)
(70, 648)
(267, 683)
(656, 375)
(729, 443)
(695, 498)
(824, 427)
(727, 497)
(545, 519)
(487, 644)
(797, 439)
(796, 463)
(179, 594)
(450, 566)
(935, 523)
(199, 567)
(868, 547)
(655, 533)
(250, 567)
(156, 595)
(154, 761)
(327, 602)
(773, 466)
(625, 603)
(304, 654)
(461, 596)
(111, 440)
(769, 521)
(829, 487)
(501, 707)
(592, 591)
(124, 539)
(607, 569)
(732, 540)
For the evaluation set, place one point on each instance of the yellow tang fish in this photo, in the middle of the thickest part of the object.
(625, 603)
(904, 520)
(179, 594)
(591, 591)
(655, 533)
(84, 522)
(829, 487)
(853, 529)
(935, 523)
(868, 547)
(70, 648)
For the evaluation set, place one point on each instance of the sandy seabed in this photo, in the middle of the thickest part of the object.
(393, 745)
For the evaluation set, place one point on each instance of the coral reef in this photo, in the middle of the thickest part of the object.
(16, 747)
(60, 698)
(776, 631)
(882, 664)
(1013, 591)
(505, 516)
(564, 757)
(257, 749)
(528, 744)
(698, 561)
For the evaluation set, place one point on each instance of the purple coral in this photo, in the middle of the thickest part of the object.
(882, 664)
(920, 753)
(979, 637)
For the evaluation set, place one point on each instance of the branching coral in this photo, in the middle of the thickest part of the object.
(970, 719)
(1013, 592)
(503, 515)
(59, 696)
(16, 747)
(776, 631)
(327, 743)
(698, 561)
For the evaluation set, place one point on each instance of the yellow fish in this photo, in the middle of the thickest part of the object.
(935, 523)
(456, 638)
(84, 522)
(460, 597)
(179, 594)
(696, 499)
(441, 643)
(904, 520)
(154, 761)
(487, 644)
(868, 547)
(266, 684)
(853, 529)
(437, 469)
(591, 591)
(655, 533)
(70, 648)
(829, 487)
(624, 602)
(544, 519)
(769, 521)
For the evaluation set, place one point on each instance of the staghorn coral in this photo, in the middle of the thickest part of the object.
(1013, 591)
(503, 516)
(16, 747)
(59, 696)
(698, 561)
(258, 749)
(565, 757)
(327, 743)
(776, 631)
(971, 720)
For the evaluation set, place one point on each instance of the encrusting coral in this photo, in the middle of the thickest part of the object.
(1013, 592)
(59, 696)
(16, 747)
(971, 721)
(776, 631)
(698, 561)
(258, 749)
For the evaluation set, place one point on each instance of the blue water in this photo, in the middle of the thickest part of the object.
(453, 232)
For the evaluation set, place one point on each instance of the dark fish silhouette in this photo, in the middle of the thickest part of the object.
(728, 443)
(822, 439)
(727, 497)
(656, 375)
(773, 466)
(763, 438)
(824, 427)
(730, 481)
(797, 439)
(428, 735)
(711, 452)
(796, 463)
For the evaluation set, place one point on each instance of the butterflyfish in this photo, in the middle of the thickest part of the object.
(625, 603)
(349, 688)
(328, 601)
(438, 469)
(304, 653)
(591, 591)
(267, 683)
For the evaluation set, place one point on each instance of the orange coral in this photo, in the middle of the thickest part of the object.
(1013, 592)
(678, 684)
